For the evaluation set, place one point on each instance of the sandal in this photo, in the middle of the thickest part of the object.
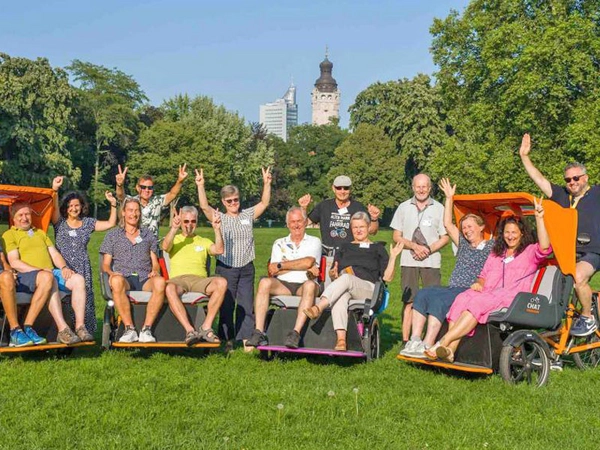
(431, 352)
(340, 345)
(445, 354)
(314, 312)
(209, 336)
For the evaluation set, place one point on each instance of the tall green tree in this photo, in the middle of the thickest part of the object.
(109, 99)
(514, 66)
(411, 114)
(369, 157)
(36, 136)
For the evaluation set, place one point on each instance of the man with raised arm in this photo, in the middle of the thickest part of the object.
(577, 194)
(333, 215)
(418, 223)
(188, 253)
(292, 258)
(152, 205)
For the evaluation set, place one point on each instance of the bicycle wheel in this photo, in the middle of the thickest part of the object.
(588, 359)
(524, 361)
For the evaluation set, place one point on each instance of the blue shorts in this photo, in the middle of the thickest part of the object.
(60, 280)
(593, 259)
(26, 281)
(436, 301)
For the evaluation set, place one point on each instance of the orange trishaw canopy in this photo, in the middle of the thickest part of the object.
(40, 200)
(560, 222)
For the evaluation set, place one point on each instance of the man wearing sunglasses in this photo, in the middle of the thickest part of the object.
(577, 194)
(188, 253)
(333, 215)
(152, 205)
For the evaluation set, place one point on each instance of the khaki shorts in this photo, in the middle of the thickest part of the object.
(192, 283)
(410, 280)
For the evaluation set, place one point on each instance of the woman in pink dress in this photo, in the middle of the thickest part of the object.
(509, 269)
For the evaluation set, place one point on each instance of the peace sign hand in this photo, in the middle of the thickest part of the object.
(539, 208)
(216, 221)
(176, 221)
(200, 177)
(266, 173)
(182, 173)
(120, 176)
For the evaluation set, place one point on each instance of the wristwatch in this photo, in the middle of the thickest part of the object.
(278, 266)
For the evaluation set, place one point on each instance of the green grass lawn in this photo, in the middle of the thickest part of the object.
(183, 399)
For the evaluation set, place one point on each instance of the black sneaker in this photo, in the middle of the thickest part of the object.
(258, 338)
(293, 339)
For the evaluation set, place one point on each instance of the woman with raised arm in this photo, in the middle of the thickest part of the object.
(433, 303)
(236, 264)
(509, 269)
(72, 229)
(356, 268)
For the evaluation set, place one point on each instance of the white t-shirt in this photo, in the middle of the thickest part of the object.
(285, 250)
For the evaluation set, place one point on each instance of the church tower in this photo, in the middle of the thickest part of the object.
(325, 95)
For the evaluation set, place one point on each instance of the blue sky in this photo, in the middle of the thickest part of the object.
(240, 53)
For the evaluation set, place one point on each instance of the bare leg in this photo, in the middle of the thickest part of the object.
(406, 321)
(43, 287)
(55, 308)
(157, 286)
(418, 324)
(433, 329)
(307, 293)
(216, 290)
(266, 288)
(119, 286)
(174, 293)
(583, 272)
(463, 326)
(8, 296)
(76, 284)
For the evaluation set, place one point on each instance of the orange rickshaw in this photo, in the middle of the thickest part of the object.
(522, 340)
(41, 202)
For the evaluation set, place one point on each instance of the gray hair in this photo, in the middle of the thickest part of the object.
(17, 206)
(419, 175)
(361, 215)
(576, 165)
(229, 190)
(294, 209)
(125, 203)
(189, 209)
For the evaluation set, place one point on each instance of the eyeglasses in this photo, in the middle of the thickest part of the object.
(147, 187)
(342, 188)
(231, 201)
(190, 221)
(575, 178)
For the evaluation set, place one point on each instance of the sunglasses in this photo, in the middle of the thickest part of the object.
(231, 201)
(342, 188)
(575, 178)
(149, 188)
(190, 221)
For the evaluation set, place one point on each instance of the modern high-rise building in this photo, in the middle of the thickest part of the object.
(325, 98)
(281, 115)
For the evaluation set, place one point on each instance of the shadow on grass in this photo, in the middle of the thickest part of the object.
(456, 374)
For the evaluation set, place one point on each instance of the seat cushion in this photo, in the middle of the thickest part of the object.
(189, 298)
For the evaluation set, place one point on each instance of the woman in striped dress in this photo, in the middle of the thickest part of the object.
(236, 264)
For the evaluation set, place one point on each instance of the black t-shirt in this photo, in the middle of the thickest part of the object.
(334, 222)
(588, 217)
(368, 263)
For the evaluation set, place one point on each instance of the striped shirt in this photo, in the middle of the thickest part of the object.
(238, 238)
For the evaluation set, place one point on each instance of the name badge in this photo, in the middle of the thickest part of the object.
(138, 240)
(343, 211)
(73, 233)
(364, 245)
(245, 222)
(426, 222)
(30, 232)
(508, 259)
(481, 245)
(199, 248)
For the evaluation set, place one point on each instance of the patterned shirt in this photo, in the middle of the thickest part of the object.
(469, 262)
(130, 258)
(151, 212)
(238, 238)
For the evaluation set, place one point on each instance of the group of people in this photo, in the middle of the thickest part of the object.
(487, 274)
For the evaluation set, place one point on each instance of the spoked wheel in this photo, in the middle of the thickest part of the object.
(524, 361)
(373, 341)
(588, 359)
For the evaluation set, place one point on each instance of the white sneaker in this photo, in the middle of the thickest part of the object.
(146, 335)
(418, 351)
(409, 348)
(129, 335)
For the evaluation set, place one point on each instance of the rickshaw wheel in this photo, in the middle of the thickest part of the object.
(588, 359)
(373, 341)
(524, 361)
(107, 329)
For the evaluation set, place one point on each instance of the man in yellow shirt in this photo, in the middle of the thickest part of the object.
(188, 253)
(31, 252)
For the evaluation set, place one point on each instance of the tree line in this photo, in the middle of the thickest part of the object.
(503, 68)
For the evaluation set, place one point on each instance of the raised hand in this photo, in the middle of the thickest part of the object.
(182, 173)
(266, 174)
(525, 145)
(216, 220)
(57, 183)
(539, 208)
(111, 198)
(304, 201)
(448, 188)
(199, 177)
(374, 212)
(396, 249)
(176, 220)
(120, 176)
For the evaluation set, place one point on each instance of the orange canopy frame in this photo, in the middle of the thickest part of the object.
(41, 201)
(560, 222)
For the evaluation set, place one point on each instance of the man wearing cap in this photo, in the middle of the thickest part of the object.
(579, 195)
(333, 215)
(418, 223)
